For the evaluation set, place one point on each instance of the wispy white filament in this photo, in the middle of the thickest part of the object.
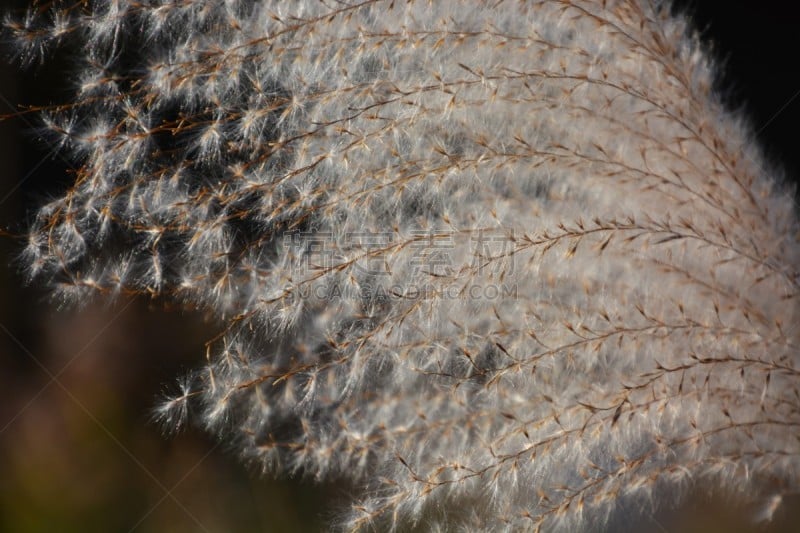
(501, 265)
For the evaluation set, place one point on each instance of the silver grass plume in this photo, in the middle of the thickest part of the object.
(505, 266)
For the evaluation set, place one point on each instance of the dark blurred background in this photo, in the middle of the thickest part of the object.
(77, 449)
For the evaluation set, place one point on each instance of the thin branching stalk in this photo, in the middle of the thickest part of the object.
(505, 266)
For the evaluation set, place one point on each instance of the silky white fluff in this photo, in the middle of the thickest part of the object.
(504, 265)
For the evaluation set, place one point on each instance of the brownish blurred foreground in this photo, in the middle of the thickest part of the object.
(78, 452)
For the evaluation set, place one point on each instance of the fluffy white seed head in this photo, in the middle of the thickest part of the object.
(512, 258)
